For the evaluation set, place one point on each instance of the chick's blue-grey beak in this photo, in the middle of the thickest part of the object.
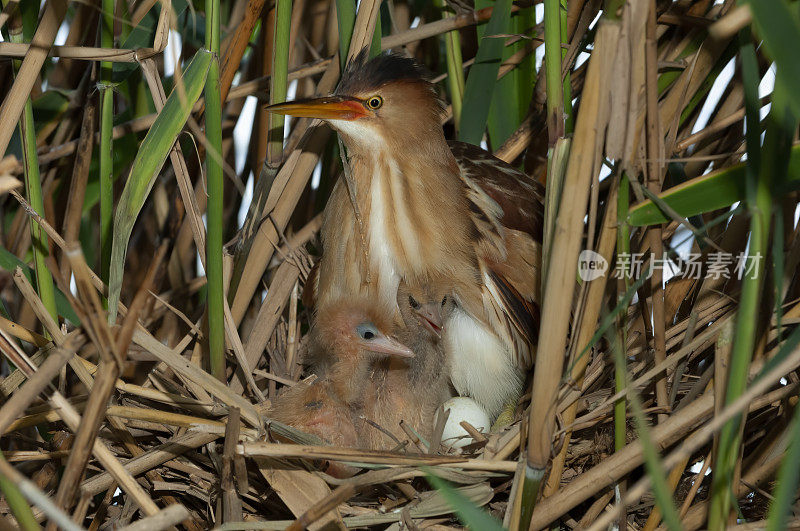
(390, 346)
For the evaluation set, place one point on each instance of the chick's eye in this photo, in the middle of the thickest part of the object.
(374, 102)
(366, 331)
(444, 300)
(413, 302)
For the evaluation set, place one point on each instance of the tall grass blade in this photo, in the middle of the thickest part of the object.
(785, 493)
(778, 25)
(569, 118)
(774, 159)
(482, 76)
(652, 461)
(552, 65)
(470, 515)
(346, 19)
(151, 156)
(715, 190)
(511, 95)
(455, 72)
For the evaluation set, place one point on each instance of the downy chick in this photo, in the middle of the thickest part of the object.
(356, 339)
(412, 389)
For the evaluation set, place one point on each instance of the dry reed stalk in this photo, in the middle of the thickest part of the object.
(11, 108)
(273, 450)
(300, 490)
(164, 519)
(655, 149)
(163, 392)
(231, 504)
(268, 315)
(560, 284)
(580, 357)
(56, 358)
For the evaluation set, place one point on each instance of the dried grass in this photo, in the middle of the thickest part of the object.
(122, 425)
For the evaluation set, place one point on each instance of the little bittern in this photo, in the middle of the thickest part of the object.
(357, 338)
(411, 389)
(372, 381)
(430, 212)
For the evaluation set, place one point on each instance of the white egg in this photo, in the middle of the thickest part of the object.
(463, 408)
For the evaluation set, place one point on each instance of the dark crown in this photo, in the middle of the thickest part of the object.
(363, 74)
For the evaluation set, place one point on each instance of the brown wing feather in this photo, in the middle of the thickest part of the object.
(520, 197)
(517, 281)
(523, 312)
(507, 210)
(309, 295)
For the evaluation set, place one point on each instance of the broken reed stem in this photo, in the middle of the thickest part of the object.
(113, 353)
(93, 415)
(623, 285)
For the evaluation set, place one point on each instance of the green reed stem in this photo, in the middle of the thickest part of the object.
(766, 166)
(16, 501)
(552, 64)
(106, 91)
(279, 79)
(455, 72)
(213, 118)
(33, 191)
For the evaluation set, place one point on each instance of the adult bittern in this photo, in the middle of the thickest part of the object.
(430, 212)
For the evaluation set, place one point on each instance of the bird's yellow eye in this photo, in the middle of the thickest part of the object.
(375, 102)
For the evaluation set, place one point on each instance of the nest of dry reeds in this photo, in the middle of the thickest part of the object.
(661, 390)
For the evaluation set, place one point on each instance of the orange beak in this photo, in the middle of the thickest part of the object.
(390, 346)
(327, 108)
